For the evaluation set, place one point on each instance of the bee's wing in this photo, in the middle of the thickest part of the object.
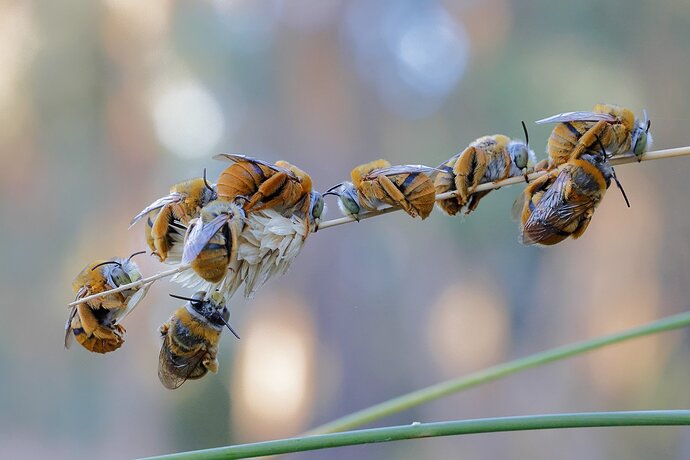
(200, 233)
(134, 300)
(238, 158)
(159, 203)
(73, 312)
(577, 116)
(68, 327)
(553, 212)
(518, 205)
(403, 169)
(174, 370)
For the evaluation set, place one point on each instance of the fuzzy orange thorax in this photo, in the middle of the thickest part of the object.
(362, 170)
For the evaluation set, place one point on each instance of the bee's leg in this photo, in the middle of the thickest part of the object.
(270, 188)
(474, 200)
(159, 232)
(421, 194)
(163, 329)
(589, 139)
(395, 195)
(89, 323)
(445, 182)
(468, 170)
(210, 362)
(102, 332)
(543, 165)
(584, 223)
(304, 210)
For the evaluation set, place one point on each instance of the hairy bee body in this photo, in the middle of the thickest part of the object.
(190, 340)
(487, 159)
(561, 203)
(167, 217)
(211, 241)
(93, 323)
(579, 132)
(377, 184)
(282, 186)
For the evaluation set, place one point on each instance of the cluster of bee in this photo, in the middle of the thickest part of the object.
(253, 222)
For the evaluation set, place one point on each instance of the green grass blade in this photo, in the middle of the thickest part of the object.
(428, 430)
(456, 385)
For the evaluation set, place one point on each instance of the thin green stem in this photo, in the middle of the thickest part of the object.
(448, 387)
(428, 430)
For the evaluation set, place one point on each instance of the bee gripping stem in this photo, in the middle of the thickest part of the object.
(619, 160)
(135, 284)
(654, 155)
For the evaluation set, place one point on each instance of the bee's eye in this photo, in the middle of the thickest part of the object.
(520, 155)
(317, 209)
(119, 276)
(350, 204)
(640, 140)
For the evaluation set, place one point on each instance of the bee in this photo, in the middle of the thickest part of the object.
(487, 159)
(616, 127)
(190, 339)
(280, 186)
(561, 203)
(167, 217)
(94, 323)
(377, 184)
(211, 241)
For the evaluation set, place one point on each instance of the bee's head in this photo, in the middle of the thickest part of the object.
(347, 197)
(210, 192)
(316, 208)
(520, 153)
(641, 137)
(212, 310)
(120, 271)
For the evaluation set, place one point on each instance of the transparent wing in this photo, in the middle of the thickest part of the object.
(403, 169)
(200, 233)
(68, 327)
(159, 203)
(174, 370)
(134, 300)
(577, 116)
(73, 312)
(237, 158)
(518, 205)
(554, 212)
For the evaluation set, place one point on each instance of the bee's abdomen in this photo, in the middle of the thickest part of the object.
(212, 263)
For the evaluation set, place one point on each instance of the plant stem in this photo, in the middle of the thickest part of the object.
(456, 385)
(150, 280)
(654, 155)
(428, 430)
(621, 160)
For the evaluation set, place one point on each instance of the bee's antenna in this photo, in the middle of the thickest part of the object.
(228, 326)
(208, 186)
(524, 128)
(601, 146)
(184, 298)
(109, 262)
(615, 178)
(135, 254)
(620, 186)
(330, 190)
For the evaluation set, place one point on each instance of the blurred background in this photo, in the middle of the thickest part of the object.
(104, 105)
